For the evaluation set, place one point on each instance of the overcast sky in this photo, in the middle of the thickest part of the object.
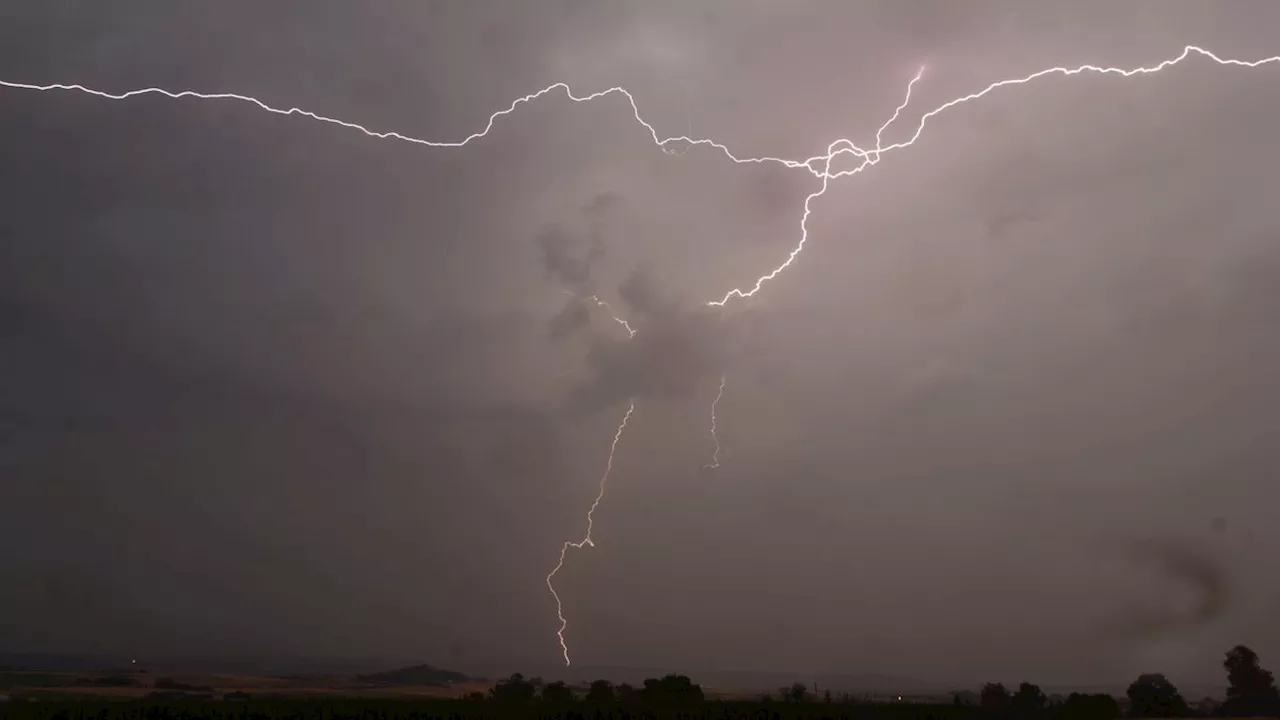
(271, 386)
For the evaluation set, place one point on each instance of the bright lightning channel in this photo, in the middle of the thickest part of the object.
(602, 304)
(869, 158)
(715, 456)
(835, 149)
(586, 540)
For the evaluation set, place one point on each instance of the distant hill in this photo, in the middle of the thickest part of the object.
(415, 675)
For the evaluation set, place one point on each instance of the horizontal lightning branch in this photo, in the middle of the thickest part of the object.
(818, 165)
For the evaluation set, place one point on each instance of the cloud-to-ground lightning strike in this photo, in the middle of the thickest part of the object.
(586, 540)
(715, 456)
(820, 166)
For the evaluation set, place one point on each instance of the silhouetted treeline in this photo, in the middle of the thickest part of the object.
(1251, 693)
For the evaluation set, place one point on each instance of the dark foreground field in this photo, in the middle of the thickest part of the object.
(73, 708)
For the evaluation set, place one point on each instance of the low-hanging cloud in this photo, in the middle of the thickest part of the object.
(572, 270)
(644, 297)
(569, 257)
(675, 347)
(672, 353)
(1184, 564)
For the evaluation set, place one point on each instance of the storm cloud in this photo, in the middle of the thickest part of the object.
(1188, 569)
(276, 387)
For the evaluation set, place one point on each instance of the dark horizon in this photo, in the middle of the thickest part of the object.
(715, 680)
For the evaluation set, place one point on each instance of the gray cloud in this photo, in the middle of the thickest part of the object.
(571, 270)
(1190, 569)
(644, 297)
(575, 316)
(670, 356)
(568, 256)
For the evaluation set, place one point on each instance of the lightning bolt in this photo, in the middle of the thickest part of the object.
(715, 457)
(869, 158)
(602, 304)
(872, 157)
(586, 540)
(820, 166)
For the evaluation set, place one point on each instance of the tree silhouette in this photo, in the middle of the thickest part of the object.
(672, 688)
(994, 696)
(601, 691)
(1029, 699)
(514, 690)
(557, 693)
(1080, 706)
(1250, 689)
(627, 693)
(1152, 695)
(796, 692)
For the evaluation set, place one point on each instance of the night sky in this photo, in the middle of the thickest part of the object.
(270, 386)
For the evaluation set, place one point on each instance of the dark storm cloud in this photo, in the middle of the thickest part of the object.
(575, 316)
(564, 260)
(674, 348)
(599, 206)
(672, 353)
(644, 296)
(1182, 567)
(569, 256)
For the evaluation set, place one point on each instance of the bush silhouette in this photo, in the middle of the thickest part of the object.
(994, 696)
(515, 690)
(1029, 699)
(672, 688)
(1079, 706)
(557, 693)
(796, 693)
(1152, 695)
(601, 691)
(627, 693)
